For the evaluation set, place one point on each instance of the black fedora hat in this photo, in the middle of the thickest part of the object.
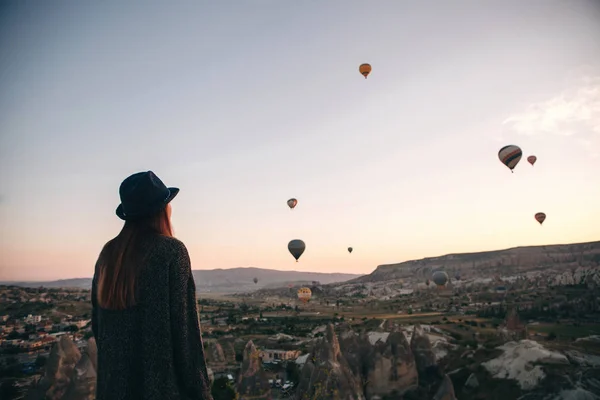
(143, 194)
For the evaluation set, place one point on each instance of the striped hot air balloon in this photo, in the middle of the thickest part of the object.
(304, 294)
(540, 217)
(510, 156)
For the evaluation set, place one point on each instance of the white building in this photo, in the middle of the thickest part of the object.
(269, 355)
(33, 319)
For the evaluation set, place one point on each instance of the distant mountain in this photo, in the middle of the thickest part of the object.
(514, 261)
(76, 283)
(220, 280)
(241, 279)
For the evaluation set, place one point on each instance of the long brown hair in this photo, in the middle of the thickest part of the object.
(122, 258)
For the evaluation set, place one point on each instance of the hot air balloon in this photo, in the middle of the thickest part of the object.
(540, 217)
(365, 70)
(255, 280)
(531, 159)
(510, 156)
(349, 249)
(304, 294)
(296, 247)
(440, 278)
(457, 276)
(292, 203)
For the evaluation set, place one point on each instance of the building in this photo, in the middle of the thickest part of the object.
(269, 355)
(33, 319)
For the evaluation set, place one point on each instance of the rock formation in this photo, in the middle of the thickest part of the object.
(83, 381)
(69, 375)
(472, 382)
(446, 390)
(92, 352)
(327, 375)
(421, 348)
(394, 370)
(214, 353)
(60, 368)
(513, 328)
(252, 381)
(358, 352)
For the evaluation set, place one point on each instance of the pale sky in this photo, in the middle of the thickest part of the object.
(244, 104)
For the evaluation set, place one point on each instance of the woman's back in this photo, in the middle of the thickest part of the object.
(151, 349)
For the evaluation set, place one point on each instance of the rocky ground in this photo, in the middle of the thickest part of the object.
(393, 362)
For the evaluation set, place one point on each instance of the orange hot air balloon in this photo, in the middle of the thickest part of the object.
(365, 70)
(531, 159)
(540, 217)
(292, 203)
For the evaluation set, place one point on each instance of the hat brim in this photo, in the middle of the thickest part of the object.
(172, 193)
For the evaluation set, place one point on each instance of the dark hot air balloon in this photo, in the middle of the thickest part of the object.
(440, 278)
(540, 217)
(531, 159)
(510, 156)
(296, 247)
(292, 203)
(349, 249)
(255, 280)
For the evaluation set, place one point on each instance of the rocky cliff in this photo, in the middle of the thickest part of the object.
(567, 257)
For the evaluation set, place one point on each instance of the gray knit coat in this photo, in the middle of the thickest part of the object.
(154, 350)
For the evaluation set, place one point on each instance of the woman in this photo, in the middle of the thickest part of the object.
(144, 315)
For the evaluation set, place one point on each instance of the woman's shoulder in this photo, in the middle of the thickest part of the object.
(171, 246)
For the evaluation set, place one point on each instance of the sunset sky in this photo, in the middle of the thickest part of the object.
(245, 104)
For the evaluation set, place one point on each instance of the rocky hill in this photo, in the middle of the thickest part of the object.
(515, 261)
